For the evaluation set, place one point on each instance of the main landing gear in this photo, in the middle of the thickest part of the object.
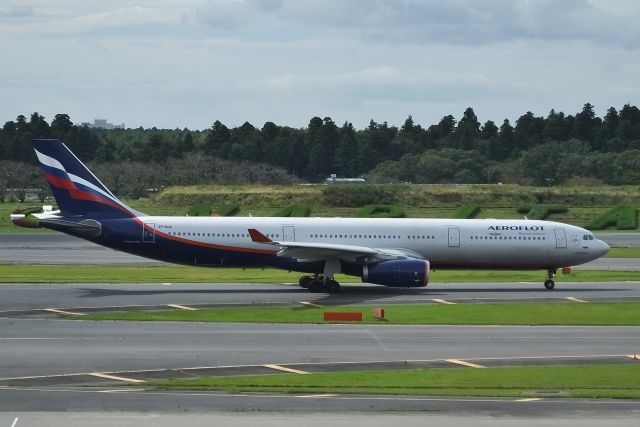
(549, 283)
(319, 283)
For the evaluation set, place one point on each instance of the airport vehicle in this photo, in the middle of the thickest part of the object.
(390, 252)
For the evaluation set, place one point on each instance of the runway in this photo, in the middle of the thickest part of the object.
(21, 299)
(34, 342)
(46, 347)
(36, 346)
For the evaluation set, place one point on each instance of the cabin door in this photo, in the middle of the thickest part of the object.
(288, 233)
(148, 232)
(561, 238)
(454, 237)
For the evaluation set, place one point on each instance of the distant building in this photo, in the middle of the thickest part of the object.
(102, 124)
(334, 178)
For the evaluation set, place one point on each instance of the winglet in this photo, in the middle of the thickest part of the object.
(258, 237)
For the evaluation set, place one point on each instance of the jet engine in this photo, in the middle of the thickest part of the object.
(408, 273)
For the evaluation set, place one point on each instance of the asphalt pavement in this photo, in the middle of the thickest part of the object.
(36, 347)
(34, 342)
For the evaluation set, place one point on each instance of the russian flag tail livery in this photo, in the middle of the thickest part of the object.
(77, 191)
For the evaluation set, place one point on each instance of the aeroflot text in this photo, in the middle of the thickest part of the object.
(517, 227)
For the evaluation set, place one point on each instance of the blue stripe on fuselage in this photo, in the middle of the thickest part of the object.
(126, 235)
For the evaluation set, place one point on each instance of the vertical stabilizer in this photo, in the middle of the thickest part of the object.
(77, 191)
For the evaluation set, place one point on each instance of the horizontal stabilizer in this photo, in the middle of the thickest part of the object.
(87, 228)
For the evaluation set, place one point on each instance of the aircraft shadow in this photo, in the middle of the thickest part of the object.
(98, 292)
(351, 294)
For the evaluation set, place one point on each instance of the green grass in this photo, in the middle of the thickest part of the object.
(22, 273)
(566, 313)
(417, 201)
(622, 217)
(466, 211)
(585, 381)
(295, 210)
(542, 211)
(199, 210)
(7, 208)
(623, 253)
(381, 211)
(227, 209)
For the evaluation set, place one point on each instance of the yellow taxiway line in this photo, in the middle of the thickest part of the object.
(285, 369)
(442, 301)
(182, 307)
(311, 304)
(115, 377)
(464, 363)
(55, 310)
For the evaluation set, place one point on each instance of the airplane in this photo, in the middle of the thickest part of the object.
(384, 251)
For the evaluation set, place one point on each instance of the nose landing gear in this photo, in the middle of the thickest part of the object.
(549, 283)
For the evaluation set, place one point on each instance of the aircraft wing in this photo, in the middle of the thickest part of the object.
(320, 251)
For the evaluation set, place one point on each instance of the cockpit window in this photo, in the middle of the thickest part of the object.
(587, 237)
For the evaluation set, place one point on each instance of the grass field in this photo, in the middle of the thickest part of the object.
(585, 381)
(418, 201)
(565, 313)
(19, 273)
(623, 253)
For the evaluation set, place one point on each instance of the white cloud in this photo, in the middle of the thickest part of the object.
(17, 11)
(173, 63)
(434, 21)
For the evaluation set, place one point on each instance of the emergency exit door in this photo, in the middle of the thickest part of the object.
(454, 237)
(561, 238)
(288, 233)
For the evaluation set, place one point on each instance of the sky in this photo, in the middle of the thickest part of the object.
(171, 63)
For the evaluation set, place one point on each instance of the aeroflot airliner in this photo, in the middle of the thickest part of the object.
(390, 252)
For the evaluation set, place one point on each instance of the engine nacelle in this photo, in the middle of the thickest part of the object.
(408, 273)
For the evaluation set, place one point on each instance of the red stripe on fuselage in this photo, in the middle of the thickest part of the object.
(208, 245)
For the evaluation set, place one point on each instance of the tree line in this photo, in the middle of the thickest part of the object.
(551, 150)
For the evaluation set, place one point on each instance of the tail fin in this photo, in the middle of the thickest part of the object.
(77, 191)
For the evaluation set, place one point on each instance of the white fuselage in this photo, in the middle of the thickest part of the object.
(446, 243)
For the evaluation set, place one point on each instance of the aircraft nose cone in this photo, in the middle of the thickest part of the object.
(602, 248)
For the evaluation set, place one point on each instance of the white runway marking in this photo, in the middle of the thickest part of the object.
(463, 363)
(529, 399)
(15, 422)
(182, 307)
(285, 369)
(574, 299)
(115, 377)
(167, 284)
(55, 310)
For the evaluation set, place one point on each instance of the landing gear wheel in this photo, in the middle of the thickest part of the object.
(316, 286)
(549, 284)
(305, 281)
(333, 287)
